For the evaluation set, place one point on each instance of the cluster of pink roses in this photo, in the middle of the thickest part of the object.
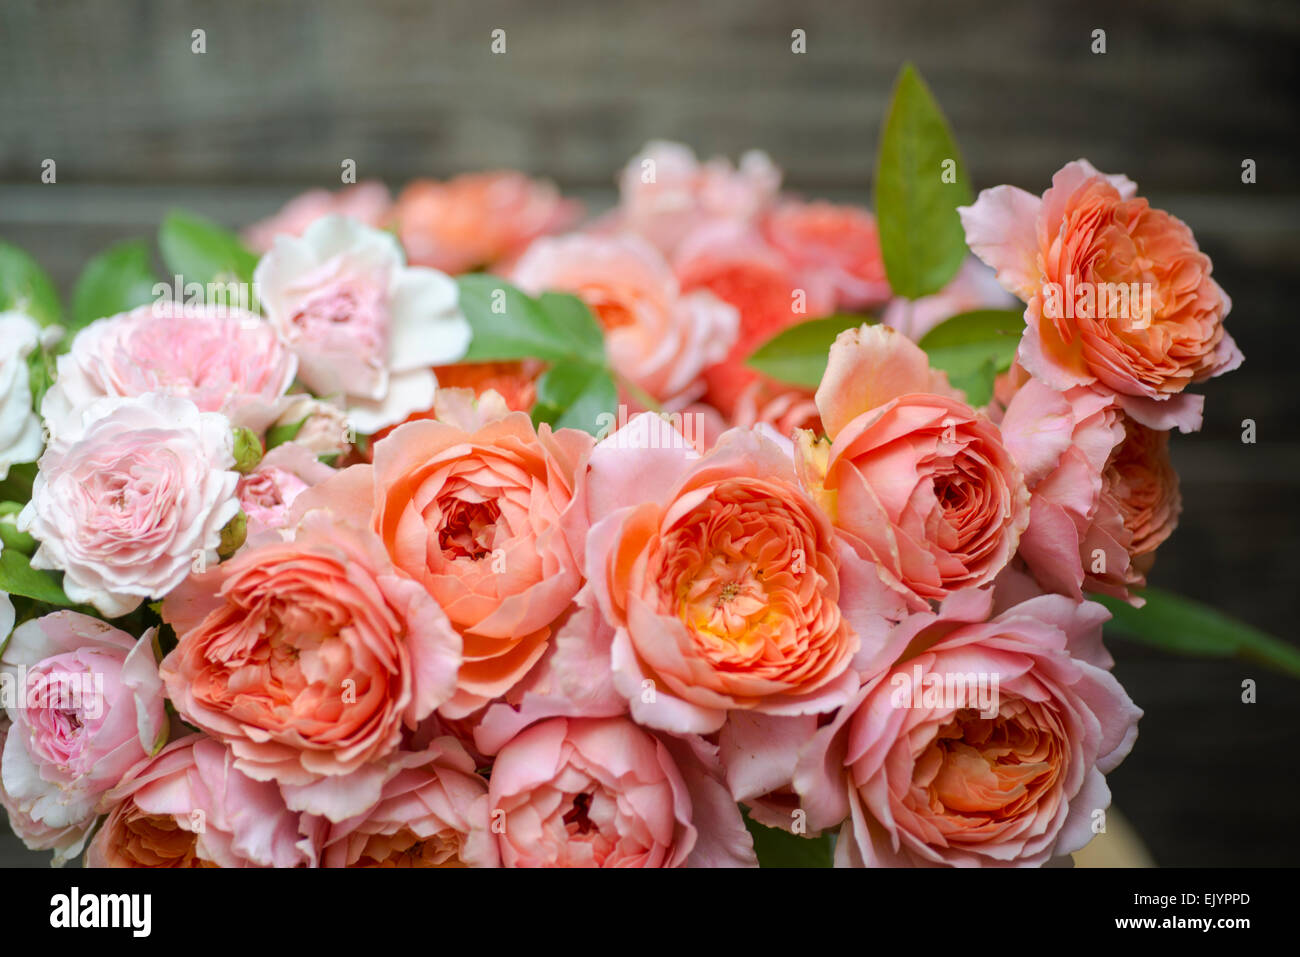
(477, 641)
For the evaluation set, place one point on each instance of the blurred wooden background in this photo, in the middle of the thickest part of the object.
(1186, 91)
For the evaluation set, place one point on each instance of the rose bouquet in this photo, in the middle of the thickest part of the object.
(725, 527)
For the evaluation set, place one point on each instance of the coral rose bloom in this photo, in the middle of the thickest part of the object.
(432, 812)
(484, 517)
(1004, 775)
(654, 335)
(1089, 231)
(919, 481)
(722, 579)
(832, 247)
(1144, 485)
(590, 792)
(307, 657)
(478, 219)
(190, 807)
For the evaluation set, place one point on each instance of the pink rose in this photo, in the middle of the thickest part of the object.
(432, 812)
(267, 492)
(222, 359)
(602, 792)
(654, 335)
(86, 704)
(309, 657)
(665, 192)
(367, 203)
(366, 327)
(478, 220)
(832, 247)
(919, 482)
(128, 501)
(1006, 768)
(726, 585)
(191, 807)
(1070, 255)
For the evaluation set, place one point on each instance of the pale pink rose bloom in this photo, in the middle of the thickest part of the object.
(129, 499)
(923, 780)
(191, 807)
(478, 220)
(20, 428)
(1090, 229)
(918, 481)
(366, 202)
(974, 287)
(1076, 540)
(833, 247)
(656, 336)
(309, 657)
(665, 191)
(602, 792)
(366, 328)
(432, 812)
(85, 705)
(222, 359)
(267, 492)
(725, 583)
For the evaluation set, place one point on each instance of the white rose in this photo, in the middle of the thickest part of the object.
(20, 427)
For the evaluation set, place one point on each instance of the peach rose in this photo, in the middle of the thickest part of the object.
(725, 583)
(655, 336)
(832, 247)
(478, 220)
(432, 812)
(602, 792)
(367, 203)
(918, 481)
(1006, 769)
(191, 807)
(1063, 442)
(308, 657)
(481, 509)
(1142, 482)
(665, 192)
(1069, 255)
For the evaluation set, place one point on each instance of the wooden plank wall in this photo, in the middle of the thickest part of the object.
(1186, 90)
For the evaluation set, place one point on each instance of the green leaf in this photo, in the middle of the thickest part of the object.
(974, 347)
(509, 325)
(1188, 627)
(575, 322)
(17, 485)
(199, 250)
(573, 394)
(280, 434)
(17, 577)
(9, 534)
(118, 279)
(798, 355)
(921, 236)
(778, 848)
(25, 287)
